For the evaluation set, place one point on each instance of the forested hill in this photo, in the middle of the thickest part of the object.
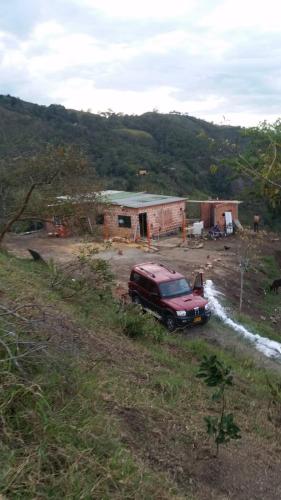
(178, 151)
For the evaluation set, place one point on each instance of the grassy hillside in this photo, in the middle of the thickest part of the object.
(177, 150)
(89, 412)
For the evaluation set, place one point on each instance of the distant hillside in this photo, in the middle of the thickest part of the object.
(176, 150)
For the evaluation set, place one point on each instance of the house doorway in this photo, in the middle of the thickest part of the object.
(143, 225)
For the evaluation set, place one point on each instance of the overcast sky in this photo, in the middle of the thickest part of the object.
(214, 59)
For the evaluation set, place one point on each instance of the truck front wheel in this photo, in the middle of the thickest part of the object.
(170, 323)
(136, 300)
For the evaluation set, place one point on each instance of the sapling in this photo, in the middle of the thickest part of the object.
(216, 374)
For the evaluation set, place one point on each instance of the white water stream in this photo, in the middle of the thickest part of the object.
(269, 348)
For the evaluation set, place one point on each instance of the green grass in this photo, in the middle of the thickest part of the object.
(261, 327)
(270, 266)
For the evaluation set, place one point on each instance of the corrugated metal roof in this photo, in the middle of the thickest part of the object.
(137, 200)
(213, 201)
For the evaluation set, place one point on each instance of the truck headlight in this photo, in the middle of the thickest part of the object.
(181, 313)
(207, 307)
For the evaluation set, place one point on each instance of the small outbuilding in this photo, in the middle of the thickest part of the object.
(212, 212)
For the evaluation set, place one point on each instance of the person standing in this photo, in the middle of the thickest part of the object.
(256, 223)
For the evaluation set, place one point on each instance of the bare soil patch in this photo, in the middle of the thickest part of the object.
(247, 470)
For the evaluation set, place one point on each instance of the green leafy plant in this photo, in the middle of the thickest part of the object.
(135, 324)
(216, 374)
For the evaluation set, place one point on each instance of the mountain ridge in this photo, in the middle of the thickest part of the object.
(177, 150)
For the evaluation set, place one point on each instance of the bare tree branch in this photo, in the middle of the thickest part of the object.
(253, 173)
(14, 219)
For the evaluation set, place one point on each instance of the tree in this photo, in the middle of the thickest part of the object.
(262, 161)
(216, 374)
(247, 255)
(30, 186)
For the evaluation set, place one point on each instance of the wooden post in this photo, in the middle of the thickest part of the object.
(148, 234)
(105, 228)
(183, 227)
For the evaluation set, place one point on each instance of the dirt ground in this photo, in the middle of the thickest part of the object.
(218, 264)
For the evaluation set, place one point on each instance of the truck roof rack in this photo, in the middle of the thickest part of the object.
(167, 268)
(148, 272)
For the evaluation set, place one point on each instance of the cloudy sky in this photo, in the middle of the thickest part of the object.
(215, 59)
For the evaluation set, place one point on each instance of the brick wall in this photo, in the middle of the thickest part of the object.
(205, 214)
(221, 208)
(161, 220)
(111, 227)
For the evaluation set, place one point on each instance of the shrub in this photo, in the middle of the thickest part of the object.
(136, 324)
(216, 374)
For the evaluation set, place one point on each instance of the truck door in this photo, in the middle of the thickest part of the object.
(154, 297)
(198, 285)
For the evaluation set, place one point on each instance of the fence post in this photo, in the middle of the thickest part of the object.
(183, 227)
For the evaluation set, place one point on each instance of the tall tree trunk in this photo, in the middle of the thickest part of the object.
(18, 214)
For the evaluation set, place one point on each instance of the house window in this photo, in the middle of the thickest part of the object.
(124, 221)
(100, 219)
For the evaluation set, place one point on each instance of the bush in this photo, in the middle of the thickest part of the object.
(136, 324)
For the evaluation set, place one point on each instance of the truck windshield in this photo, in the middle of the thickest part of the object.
(175, 288)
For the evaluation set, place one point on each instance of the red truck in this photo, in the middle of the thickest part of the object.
(168, 295)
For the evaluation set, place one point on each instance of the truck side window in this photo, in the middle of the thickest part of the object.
(154, 289)
(136, 277)
(145, 283)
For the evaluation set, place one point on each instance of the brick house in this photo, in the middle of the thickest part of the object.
(127, 215)
(142, 215)
(135, 215)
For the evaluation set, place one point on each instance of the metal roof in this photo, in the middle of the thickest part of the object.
(213, 201)
(137, 200)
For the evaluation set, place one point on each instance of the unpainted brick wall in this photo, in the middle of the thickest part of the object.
(161, 219)
(221, 208)
(205, 210)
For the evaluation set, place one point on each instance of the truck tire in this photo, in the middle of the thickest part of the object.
(170, 323)
(136, 300)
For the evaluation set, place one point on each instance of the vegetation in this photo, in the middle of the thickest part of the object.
(261, 163)
(216, 374)
(90, 412)
(176, 150)
(30, 186)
